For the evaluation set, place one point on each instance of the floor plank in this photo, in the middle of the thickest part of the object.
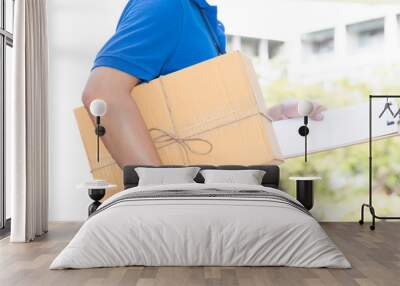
(375, 257)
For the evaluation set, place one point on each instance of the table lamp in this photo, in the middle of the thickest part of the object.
(98, 108)
(305, 108)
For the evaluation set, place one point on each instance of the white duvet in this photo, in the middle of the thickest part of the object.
(200, 231)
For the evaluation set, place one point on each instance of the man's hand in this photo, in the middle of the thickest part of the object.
(290, 110)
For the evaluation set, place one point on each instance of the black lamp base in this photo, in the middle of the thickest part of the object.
(305, 193)
(96, 195)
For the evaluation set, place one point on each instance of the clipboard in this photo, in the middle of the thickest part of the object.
(341, 127)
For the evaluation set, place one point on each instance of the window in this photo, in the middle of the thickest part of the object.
(274, 48)
(250, 46)
(6, 44)
(367, 35)
(317, 44)
(229, 42)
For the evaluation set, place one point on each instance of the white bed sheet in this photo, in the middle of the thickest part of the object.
(200, 231)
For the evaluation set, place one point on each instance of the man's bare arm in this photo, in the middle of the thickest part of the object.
(127, 137)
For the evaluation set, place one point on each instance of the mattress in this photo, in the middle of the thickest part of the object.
(201, 225)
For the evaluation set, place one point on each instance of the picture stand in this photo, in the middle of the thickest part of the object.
(370, 202)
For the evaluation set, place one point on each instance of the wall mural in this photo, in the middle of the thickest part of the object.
(338, 81)
(334, 65)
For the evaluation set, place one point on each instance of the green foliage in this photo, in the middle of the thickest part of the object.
(344, 186)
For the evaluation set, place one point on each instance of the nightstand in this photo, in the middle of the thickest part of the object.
(96, 192)
(304, 190)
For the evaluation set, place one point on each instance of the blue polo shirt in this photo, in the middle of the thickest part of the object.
(157, 37)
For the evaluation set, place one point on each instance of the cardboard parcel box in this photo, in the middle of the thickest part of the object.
(209, 113)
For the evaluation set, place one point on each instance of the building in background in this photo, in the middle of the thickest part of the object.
(334, 52)
(312, 41)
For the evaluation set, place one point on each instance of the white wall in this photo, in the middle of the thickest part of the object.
(283, 19)
(77, 30)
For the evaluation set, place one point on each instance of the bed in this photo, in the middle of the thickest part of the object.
(199, 224)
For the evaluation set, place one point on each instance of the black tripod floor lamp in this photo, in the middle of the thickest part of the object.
(369, 205)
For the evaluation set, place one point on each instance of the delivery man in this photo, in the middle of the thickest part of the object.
(153, 38)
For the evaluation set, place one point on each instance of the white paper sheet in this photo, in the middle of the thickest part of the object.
(341, 127)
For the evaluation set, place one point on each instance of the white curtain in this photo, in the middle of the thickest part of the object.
(27, 159)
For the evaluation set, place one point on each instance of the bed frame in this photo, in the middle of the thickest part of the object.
(270, 179)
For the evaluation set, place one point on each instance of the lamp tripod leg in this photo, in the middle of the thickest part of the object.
(361, 221)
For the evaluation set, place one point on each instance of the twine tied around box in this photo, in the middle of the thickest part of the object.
(165, 138)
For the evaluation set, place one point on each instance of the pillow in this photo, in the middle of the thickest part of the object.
(248, 177)
(162, 176)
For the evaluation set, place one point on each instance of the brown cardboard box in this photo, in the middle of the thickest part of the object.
(209, 113)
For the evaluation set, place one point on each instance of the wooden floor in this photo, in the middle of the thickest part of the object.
(375, 257)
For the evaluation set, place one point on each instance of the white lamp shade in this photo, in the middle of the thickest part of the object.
(98, 107)
(305, 107)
